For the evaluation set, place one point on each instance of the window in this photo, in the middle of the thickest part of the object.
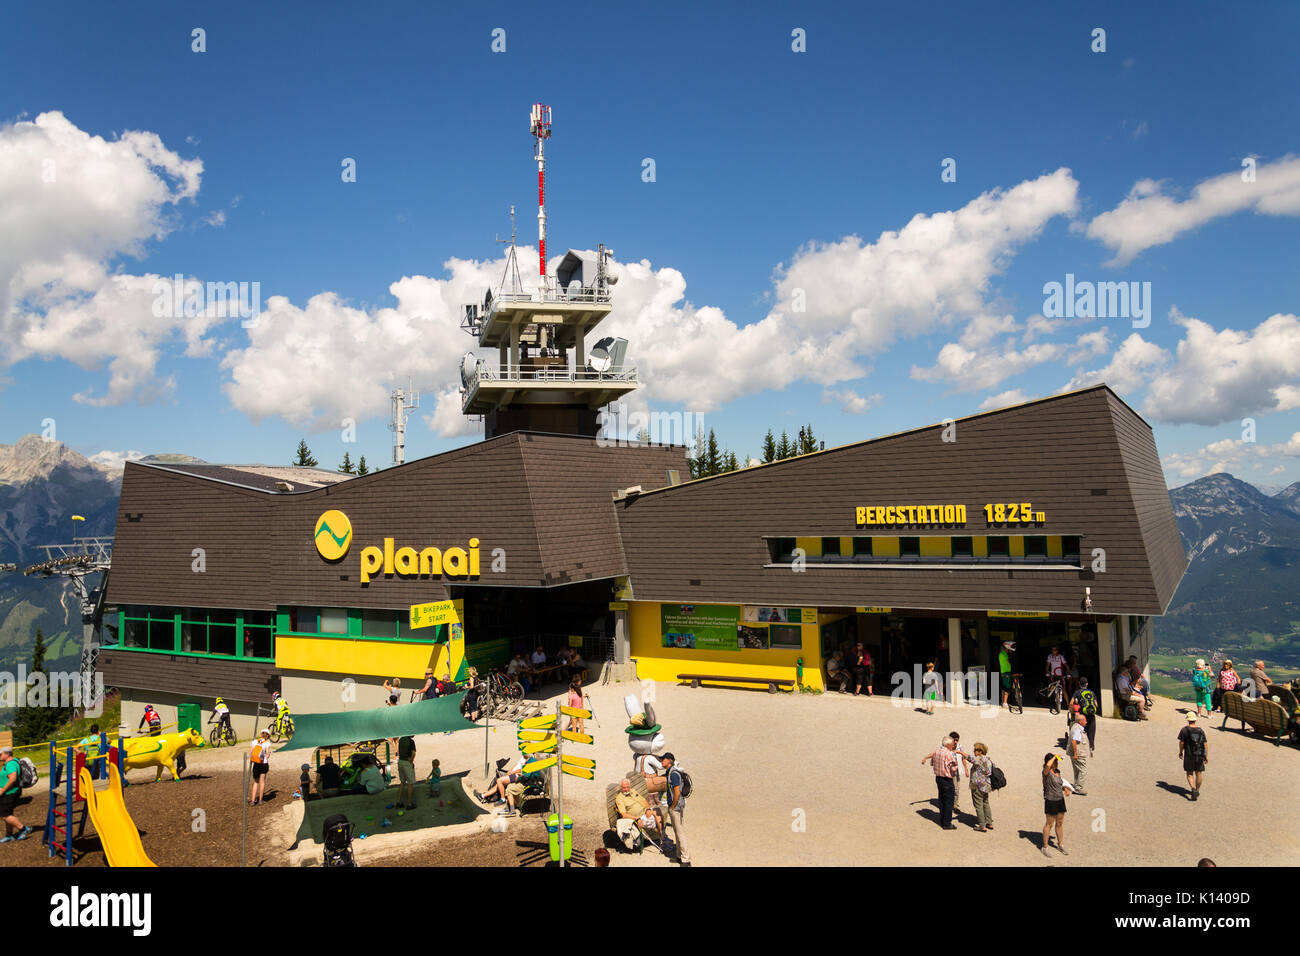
(381, 624)
(259, 637)
(999, 546)
(221, 633)
(333, 620)
(782, 549)
(861, 547)
(963, 547)
(1036, 546)
(150, 628)
(304, 620)
(674, 476)
(786, 635)
(1070, 547)
(831, 547)
(909, 547)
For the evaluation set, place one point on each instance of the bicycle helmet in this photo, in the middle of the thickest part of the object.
(221, 700)
(275, 695)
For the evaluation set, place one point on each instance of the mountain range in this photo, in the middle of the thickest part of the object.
(1239, 595)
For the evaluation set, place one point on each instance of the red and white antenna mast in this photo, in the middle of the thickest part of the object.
(539, 124)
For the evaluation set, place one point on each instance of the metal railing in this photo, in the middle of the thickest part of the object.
(485, 373)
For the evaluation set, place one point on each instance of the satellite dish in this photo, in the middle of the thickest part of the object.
(611, 280)
(599, 359)
(468, 366)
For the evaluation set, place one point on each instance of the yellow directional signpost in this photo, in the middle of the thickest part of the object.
(533, 734)
(537, 723)
(541, 763)
(541, 746)
(582, 767)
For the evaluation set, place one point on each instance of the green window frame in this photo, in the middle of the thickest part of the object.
(909, 547)
(1035, 546)
(963, 546)
(785, 636)
(999, 546)
(862, 547)
(179, 631)
(363, 624)
(830, 547)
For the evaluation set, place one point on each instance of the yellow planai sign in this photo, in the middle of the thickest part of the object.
(333, 538)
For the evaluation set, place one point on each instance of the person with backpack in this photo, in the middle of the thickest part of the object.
(11, 788)
(679, 788)
(1203, 683)
(153, 719)
(1194, 749)
(981, 786)
(1085, 702)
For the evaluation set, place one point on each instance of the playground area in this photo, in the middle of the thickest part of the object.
(786, 779)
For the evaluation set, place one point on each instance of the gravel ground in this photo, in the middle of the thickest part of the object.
(780, 780)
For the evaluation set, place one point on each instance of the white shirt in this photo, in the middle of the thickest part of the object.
(1080, 739)
(539, 657)
(1056, 664)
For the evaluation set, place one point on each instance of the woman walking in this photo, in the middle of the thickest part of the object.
(1202, 682)
(258, 760)
(981, 769)
(1054, 791)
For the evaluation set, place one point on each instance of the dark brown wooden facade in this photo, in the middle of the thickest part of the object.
(1085, 459)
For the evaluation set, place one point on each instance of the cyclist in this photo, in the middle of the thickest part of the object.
(1004, 669)
(221, 714)
(154, 720)
(1056, 665)
(281, 711)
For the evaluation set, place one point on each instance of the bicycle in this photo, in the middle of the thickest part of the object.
(281, 728)
(223, 734)
(1053, 693)
(502, 687)
(1015, 699)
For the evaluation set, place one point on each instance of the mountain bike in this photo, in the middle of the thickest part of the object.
(281, 728)
(1015, 699)
(1054, 694)
(223, 735)
(503, 687)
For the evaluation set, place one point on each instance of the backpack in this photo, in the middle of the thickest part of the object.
(27, 773)
(1088, 703)
(997, 779)
(687, 784)
(1196, 744)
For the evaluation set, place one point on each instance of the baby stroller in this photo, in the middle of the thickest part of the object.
(338, 840)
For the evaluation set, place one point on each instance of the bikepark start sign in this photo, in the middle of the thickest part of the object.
(439, 612)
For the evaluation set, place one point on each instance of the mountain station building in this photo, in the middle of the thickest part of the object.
(1042, 523)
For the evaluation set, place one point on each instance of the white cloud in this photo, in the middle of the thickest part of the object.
(1149, 217)
(1090, 345)
(850, 401)
(216, 218)
(1013, 397)
(74, 204)
(1037, 325)
(966, 370)
(1129, 370)
(1231, 455)
(1223, 375)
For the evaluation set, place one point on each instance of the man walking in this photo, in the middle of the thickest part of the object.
(1080, 751)
(1085, 702)
(11, 788)
(1194, 749)
(944, 763)
(1004, 669)
(676, 807)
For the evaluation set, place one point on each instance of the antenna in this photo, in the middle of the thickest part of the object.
(401, 406)
(512, 263)
(539, 125)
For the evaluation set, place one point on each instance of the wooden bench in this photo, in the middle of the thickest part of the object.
(1264, 716)
(772, 682)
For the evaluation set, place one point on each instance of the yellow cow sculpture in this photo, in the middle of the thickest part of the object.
(160, 751)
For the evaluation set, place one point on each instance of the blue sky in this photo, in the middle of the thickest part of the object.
(775, 171)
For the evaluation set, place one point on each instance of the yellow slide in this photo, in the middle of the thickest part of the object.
(117, 832)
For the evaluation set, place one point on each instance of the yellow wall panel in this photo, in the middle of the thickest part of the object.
(1017, 545)
(846, 547)
(980, 546)
(936, 547)
(350, 656)
(886, 547)
(811, 546)
(1054, 546)
(659, 663)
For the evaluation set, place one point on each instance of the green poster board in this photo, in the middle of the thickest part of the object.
(700, 626)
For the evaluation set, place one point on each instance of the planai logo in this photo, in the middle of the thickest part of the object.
(333, 535)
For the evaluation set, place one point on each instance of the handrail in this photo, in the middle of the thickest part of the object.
(484, 373)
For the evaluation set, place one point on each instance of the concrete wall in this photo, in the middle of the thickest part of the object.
(242, 713)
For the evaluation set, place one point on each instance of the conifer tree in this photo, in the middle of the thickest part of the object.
(362, 468)
(769, 447)
(305, 459)
(347, 467)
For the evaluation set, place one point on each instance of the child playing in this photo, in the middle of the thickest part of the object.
(930, 683)
(304, 783)
(435, 780)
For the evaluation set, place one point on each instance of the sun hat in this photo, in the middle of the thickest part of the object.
(263, 732)
(1200, 662)
(1191, 717)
